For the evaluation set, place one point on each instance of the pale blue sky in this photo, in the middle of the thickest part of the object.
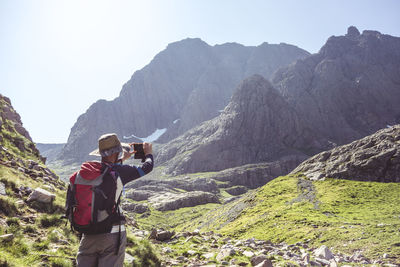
(59, 57)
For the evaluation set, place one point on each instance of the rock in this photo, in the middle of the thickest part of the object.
(324, 253)
(3, 189)
(357, 256)
(164, 235)
(181, 258)
(237, 190)
(352, 32)
(167, 250)
(153, 234)
(265, 263)
(24, 190)
(225, 253)
(49, 187)
(258, 259)
(373, 158)
(191, 252)
(209, 255)
(129, 258)
(7, 237)
(171, 201)
(19, 203)
(248, 254)
(135, 207)
(41, 195)
(306, 258)
(323, 262)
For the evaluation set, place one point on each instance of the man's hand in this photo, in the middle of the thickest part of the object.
(127, 155)
(148, 148)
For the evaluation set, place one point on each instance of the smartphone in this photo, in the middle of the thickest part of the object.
(139, 154)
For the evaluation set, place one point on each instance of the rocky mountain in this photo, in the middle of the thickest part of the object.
(187, 83)
(346, 91)
(257, 126)
(372, 158)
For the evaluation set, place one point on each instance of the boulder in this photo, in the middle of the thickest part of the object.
(3, 189)
(224, 253)
(171, 201)
(258, 259)
(135, 207)
(265, 263)
(41, 195)
(323, 252)
(7, 237)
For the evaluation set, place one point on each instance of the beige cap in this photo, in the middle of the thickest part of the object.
(108, 145)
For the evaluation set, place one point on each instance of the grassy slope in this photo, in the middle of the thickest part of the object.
(39, 233)
(346, 215)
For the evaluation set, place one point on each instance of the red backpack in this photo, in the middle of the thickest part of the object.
(92, 203)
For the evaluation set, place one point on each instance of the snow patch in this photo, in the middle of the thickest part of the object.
(151, 138)
(175, 121)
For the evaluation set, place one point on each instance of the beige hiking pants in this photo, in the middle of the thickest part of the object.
(99, 250)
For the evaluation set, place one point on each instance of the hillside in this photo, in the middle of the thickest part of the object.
(373, 158)
(289, 219)
(32, 232)
(350, 217)
(185, 84)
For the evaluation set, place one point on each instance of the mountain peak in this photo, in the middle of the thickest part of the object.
(352, 31)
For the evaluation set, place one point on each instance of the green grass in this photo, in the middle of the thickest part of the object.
(143, 252)
(32, 240)
(172, 220)
(346, 215)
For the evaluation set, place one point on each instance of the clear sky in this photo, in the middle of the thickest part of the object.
(58, 57)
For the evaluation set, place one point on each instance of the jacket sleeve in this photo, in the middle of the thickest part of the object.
(129, 173)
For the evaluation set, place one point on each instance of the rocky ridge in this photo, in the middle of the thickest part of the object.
(187, 83)
(346, 91)
(257, 126)
(373, 158)
(350, 89)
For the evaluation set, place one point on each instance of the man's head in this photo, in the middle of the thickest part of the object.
(109, 148)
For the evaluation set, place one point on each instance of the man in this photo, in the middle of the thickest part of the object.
(106, 247)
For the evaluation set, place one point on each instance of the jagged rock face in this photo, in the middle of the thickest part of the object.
(14, 132)
(8, 113)
(373, 158)
(186, 84)
(350, 89)
(258, 125)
